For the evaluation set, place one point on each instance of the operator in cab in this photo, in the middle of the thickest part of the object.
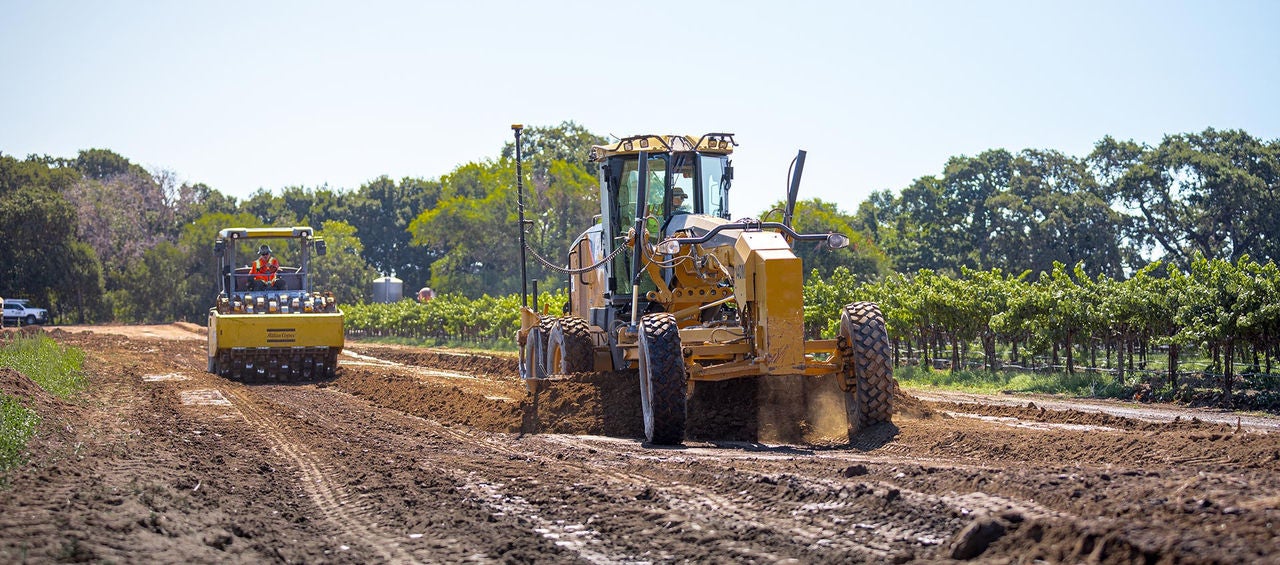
(265, 271)
(678, 204)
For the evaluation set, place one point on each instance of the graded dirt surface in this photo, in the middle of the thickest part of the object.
(411, 455)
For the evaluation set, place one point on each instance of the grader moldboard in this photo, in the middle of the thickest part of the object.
(684, 295)
(289, 333)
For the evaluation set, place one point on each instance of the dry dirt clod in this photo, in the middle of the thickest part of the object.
(855, 471)
(977, 537)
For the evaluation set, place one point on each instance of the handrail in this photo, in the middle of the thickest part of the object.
(747, 225)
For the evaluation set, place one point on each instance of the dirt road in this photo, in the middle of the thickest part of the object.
(420, 456)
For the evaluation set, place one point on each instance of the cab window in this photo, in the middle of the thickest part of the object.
(715, 187)
(625, 210)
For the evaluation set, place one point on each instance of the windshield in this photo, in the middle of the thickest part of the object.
(682, 182)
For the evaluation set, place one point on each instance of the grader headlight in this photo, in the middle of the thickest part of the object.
(668, 247)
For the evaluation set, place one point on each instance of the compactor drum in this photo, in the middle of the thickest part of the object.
(666, 284)
(271, 326)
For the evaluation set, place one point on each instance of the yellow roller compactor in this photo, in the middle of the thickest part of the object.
(272, 332)
(667, 284)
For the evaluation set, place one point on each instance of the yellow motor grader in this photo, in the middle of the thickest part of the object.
(272, 328)
(667, 284)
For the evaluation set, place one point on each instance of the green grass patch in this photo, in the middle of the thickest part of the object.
(56, 368)
(17, 425)
(987, 382)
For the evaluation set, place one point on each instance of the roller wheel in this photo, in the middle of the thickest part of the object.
(663, 380)
(330, 364)
(309, 367)
(535, 350)
(569, 346)
(868, 366)
(224, 366)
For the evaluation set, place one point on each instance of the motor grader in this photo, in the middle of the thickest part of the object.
(280, 332)
(672, 287)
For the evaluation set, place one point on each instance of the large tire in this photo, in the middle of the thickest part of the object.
(535, 350)
(663, 381)
(569, 347)
(868, 366)
(31, 319)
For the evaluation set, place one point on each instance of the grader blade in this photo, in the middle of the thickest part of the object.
(797, 409)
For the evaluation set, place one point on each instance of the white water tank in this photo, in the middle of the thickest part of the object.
(387, 289)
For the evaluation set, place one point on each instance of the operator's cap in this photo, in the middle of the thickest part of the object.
(677, 191)
(264, 250)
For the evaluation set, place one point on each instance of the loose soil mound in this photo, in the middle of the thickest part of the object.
(602, 403)
(17, 385)
(440, 401)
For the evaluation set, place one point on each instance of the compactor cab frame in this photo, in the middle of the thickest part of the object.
(667, 284)
(286, 333)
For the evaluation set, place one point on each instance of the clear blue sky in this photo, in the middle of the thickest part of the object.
(249, 95)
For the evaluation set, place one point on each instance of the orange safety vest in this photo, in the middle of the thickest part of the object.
(265, 270)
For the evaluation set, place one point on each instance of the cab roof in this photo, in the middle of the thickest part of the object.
(302, 232)
(711, 143)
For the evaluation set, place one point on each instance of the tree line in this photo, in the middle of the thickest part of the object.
(97, 237)
(1125, 204)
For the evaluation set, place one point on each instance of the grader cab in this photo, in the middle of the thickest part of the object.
(667, 284)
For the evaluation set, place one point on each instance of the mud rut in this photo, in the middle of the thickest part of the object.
(411, 455)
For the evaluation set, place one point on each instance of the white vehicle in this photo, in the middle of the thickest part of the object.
(17, 311)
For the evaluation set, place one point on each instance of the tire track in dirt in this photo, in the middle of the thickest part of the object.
(878, 535)
(706, 506)
(687, 503)
(494, 494)
(333, 501)
(387, 455)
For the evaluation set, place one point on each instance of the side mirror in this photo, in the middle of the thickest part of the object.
(219, 246)
(837, 241)
(321, 248)
(728, 172)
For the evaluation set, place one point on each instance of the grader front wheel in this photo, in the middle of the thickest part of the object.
(534, 355)
(569, 347)
(663, 381)
(868, 366)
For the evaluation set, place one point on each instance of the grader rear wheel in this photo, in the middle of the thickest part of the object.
(663, 381)
(868, 366)
(569, 347)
